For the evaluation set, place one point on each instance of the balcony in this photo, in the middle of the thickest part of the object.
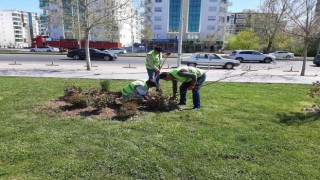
(147, 4)
(147, 14)
(225, 3)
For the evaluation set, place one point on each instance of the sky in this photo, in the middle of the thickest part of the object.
(33, 5)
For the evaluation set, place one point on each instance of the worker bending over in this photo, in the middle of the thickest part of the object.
(191, 78)
(137, 88)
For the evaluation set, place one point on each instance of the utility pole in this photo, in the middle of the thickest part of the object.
(79, 41)
(180, 39)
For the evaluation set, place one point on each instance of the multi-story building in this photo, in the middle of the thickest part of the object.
(237, 22)
(250, 19)
(204, 23)
(17, 28)
(124, 30)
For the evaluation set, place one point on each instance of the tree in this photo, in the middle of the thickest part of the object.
(268, 22)
(318, 13)
(303, 22)
(246, 39)
(146, 35)
(94, 17)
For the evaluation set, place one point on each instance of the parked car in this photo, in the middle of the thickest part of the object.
(45, 49)
(316, 60)
(94, 54)
(209, 59)
(251, 55)
(282, 54)
(116, 51)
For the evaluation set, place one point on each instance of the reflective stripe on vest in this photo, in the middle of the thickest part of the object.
(130, 88)
(192, 70)
(156, 60)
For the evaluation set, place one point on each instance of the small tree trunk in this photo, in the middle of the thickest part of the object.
(318, 49)
(88, 60)
(305, 52)
(269, 47)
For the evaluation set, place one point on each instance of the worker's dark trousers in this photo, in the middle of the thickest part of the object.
(195, 92)
(152, 74)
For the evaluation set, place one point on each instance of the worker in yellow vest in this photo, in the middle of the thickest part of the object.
(192, 79)
(153, 63)
(137, 88)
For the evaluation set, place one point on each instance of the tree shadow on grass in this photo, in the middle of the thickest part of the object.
(297, 118)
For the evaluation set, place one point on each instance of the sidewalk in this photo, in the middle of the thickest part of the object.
(239, 74)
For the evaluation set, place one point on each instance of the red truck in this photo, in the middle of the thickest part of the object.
(64, 44)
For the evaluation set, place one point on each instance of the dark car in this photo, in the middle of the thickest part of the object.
(316, 60)
(94, 54)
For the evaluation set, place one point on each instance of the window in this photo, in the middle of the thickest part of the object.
(158, 9)
(157, 18)
(211, 18)
(194, 16)
(210, 27)
(158, 1)
(240, 21)
(212, 9)
(246, 52)
(174, 15)
(240, 16)
(157, 27)
(213, 0)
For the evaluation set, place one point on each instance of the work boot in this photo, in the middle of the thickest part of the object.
(182, 103)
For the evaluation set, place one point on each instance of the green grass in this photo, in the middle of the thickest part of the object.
(243, 131)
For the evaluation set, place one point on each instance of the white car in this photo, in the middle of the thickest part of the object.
(282, 54)
(116, 51)
(45, 49)
(251, 55)
(209, 59)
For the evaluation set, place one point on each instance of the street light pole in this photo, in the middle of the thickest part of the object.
(180, 35)
(79, 41)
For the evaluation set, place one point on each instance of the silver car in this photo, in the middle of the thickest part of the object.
(251, 55)
(45, 49)
(209, 59)
(282, 54)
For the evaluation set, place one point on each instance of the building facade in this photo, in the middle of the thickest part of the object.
(205, 23)
(123, 30)
(17, 28)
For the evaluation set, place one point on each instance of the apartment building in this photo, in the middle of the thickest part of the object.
(124, 30)
(205, 23)
(17, 28)
(241, 20)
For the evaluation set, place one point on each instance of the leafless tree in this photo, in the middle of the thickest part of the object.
(147, 35)
(269, 21)
(303, 22)
(93, 17)
(318, 14)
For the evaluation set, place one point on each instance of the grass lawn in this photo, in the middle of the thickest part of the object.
(243, 131)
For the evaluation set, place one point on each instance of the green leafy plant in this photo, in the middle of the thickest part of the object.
(105, 85)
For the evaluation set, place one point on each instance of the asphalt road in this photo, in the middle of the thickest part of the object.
(284, 65)
(59, 66)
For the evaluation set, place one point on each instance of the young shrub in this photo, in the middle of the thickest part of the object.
(80, 100)
(315, 93)
(105, 85)
(160, 102)
(127, 110)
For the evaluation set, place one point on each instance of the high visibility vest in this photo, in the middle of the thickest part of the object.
(195, 71)
(130, 88)
(156, 60)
